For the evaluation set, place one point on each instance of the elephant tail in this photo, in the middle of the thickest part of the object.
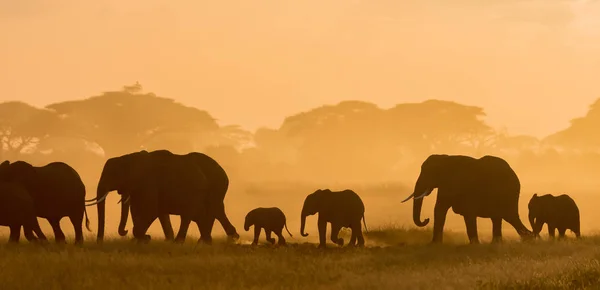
(285, 224)
(87, 220)
(365, 223)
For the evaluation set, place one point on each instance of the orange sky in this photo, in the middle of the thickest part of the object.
(254, 62)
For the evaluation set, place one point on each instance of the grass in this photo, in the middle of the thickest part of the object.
(396, 258)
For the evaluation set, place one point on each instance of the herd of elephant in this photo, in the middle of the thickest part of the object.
(160, 183)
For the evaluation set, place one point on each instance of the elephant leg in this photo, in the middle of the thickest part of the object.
(551, 230)
(144, 210)
(439, 216)
(496, 230)
(208, 225)
(140, 227)
(183, 228)
(256, 234)
(165, 222)
(59, 236)
(77, 221)
(205, 225)
(280, 238)
(359, 234)
(15, 234)
(322, 226)
(270, 239)
(537, 228)
(471, 223)
(219, 212)
(29, 234)
(352, 241)
(577, 231)
(561, 233)
(38, 231)
(335, 230)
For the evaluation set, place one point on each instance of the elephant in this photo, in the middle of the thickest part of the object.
(341, 209)
(218, 183)
(57, 191)
(16, 211)
(156, 185)
(486, 187)
(272, 219)
(559, 212)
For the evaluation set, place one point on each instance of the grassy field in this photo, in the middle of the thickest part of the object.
(396, 258)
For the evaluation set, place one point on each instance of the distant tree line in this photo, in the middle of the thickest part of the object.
(352, 141)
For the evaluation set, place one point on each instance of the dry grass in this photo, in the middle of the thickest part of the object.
(396, 258)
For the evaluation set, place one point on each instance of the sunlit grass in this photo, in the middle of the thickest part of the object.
(396, 258)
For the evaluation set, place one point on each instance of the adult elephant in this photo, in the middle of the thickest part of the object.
(57, 191)
(217, 185)
(486, 187)
(155, 184)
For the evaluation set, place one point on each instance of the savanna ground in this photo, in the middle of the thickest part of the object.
(397, 256)
(407, 263)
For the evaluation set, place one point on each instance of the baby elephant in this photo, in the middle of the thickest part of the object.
(271, 219)
(16, 211)
(559, 212)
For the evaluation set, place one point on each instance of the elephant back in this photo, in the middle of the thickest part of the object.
(347, 200)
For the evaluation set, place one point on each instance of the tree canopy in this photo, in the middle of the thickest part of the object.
(123, 121)
(351, 140)
(582, 134)
(23, 127)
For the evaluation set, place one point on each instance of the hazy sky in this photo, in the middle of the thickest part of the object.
(533, 65)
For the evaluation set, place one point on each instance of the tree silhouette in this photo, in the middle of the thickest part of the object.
(23, 127)
(582, 134)
(439, 126)
(338, 141)
(123, 121)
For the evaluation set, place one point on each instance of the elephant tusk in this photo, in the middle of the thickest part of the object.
(408, 198)
(99, 200)
(423, 195)
(124, 201)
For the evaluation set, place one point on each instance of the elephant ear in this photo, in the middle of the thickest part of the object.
(4, 164)
(535, 195)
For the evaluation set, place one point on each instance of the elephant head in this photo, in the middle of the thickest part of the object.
(250, 220)
(4, 166)
(433, 174)
(312, 205)
(535, 210)
(4, 170)
(119, 173)
(19, 171)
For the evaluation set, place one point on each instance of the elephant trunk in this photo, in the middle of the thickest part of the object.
(417, 205)
(303, 223)
(124, 215)
(532, 223)
(247, 224)
(101, 212)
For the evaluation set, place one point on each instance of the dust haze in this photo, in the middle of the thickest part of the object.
(290, 96)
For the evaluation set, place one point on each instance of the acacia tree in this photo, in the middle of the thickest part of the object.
(335, 142)
(436, 126)
(123, 121)
(358, 139)
(582, 134)
(23, 127)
